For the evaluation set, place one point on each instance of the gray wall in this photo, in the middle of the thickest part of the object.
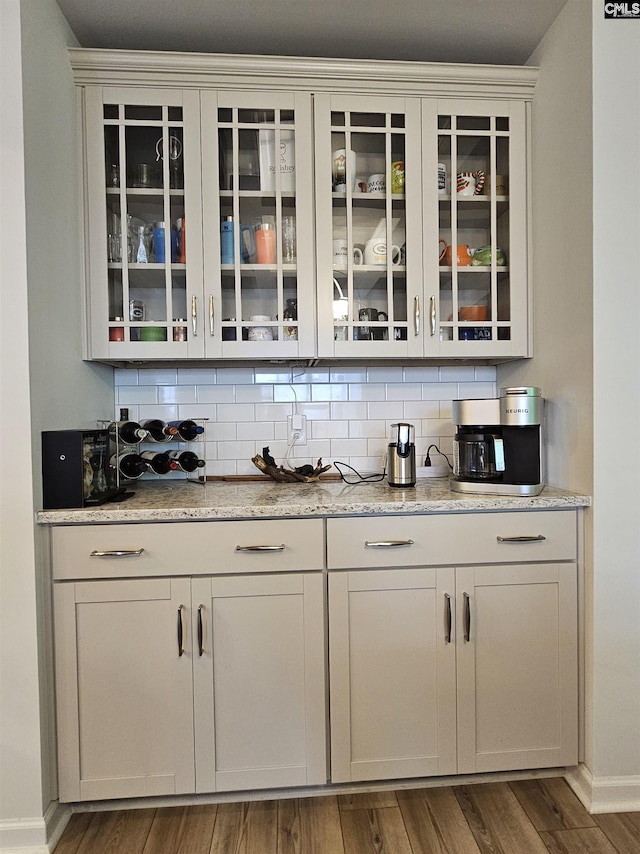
(43, 380)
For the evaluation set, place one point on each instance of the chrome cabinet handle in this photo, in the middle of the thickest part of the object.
(194, 315)
(447, 602)
(416, 315)
(432, 315)
(386, 544)
(211, 315)
(181, 632)
(274, 548)
(538, 538)
(467, 617)
(116, 553)
(201, 630)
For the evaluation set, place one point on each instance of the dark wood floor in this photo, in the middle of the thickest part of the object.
(525, 817)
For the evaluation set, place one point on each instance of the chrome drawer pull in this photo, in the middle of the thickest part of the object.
(526, 539)
(386, 544)
(117, 553)
(279, 548)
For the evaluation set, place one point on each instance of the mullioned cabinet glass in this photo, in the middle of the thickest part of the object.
(257, 223)
(475, 228)
(421, 227)
(368, 197)
(143, 187)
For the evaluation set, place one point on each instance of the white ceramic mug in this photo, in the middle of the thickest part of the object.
(341, 252)
(260, 333)
(376, 184)
(470, 183)
(375, 252)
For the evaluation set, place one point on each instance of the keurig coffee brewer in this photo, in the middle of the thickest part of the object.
(498, 447)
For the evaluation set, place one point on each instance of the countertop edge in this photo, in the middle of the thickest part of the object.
(339, 500)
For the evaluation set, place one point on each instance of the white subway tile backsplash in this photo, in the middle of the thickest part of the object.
(342, 449)
(272, 411)
(421, 374)
(349, 410)
(197, 376)
(254, 394)
(368, 429)
(161, 376)
(457, 373)
(420, 409)
(235, 376)
(236, 450)
(177, 394)
(136, 394)
(257, 430)
(367, 391)
(404, 391)
(329, 391)
(329, 429)
(217, 393)
(269, 375)
(125, 376)
(476, 390)
(348, 375)
(440, 391)
(237, 412)
(292, 393)
(485, 373)
(384, 374)
(393, 410)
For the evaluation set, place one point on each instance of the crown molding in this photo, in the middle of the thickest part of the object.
(247, 71)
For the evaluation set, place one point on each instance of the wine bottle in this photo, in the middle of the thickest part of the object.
(186, 460)
(129, 432)
(130, 465)
(187, 430)
(158, 430)
(158, 461)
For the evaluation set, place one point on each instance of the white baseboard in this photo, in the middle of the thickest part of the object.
(34, 835)
(604, 794)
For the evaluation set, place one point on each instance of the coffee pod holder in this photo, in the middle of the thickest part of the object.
(118, 447)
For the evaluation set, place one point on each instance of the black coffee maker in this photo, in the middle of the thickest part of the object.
(498, 447)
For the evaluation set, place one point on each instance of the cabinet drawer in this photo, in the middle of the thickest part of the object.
(187, 548)
(451, 539)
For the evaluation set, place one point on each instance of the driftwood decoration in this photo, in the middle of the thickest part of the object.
(303, 474)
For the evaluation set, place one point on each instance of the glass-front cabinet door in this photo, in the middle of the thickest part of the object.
(368, 226)
(475, 228)
(257, 196)
(143, 189)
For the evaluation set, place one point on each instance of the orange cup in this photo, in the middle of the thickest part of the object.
(463, 254)
(473, 312)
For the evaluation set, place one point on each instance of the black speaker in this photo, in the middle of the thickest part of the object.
(75, 469)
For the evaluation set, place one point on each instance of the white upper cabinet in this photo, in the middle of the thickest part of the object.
(291, 208)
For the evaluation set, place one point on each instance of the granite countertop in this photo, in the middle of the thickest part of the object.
(182, 500)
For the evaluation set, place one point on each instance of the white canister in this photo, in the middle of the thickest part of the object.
(260, 333)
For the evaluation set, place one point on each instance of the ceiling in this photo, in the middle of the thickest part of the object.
(502, 32)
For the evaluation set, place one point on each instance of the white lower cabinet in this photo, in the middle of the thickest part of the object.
(451, 669)
(177, 685)
(259, 682)
(191, 657)
(124, 696)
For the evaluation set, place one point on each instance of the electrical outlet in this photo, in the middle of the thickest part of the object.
(297, 425)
